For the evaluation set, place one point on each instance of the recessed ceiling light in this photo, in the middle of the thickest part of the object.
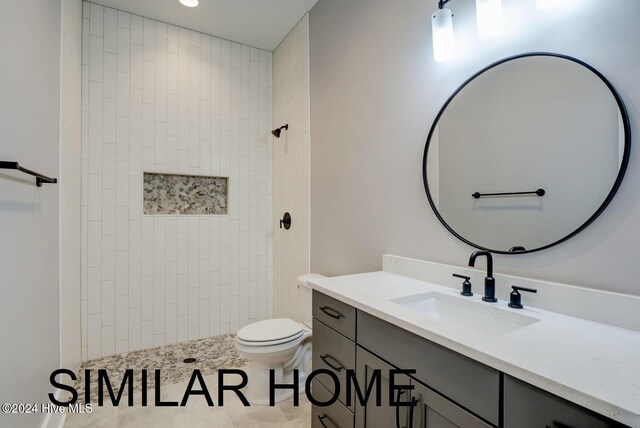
(189, 3)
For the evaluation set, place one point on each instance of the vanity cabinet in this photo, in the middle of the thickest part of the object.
(371, 415)
(526, 406)
(464, 381)
(449, 389)
(429, 410)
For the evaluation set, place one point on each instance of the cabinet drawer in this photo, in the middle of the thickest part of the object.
(526, 406)
(469, 383)
(334, 416)
(333, 352)
(433, 410)
(337, 315)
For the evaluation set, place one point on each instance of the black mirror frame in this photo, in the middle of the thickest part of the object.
(614, 189)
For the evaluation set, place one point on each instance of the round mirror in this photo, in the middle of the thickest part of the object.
(526, 153)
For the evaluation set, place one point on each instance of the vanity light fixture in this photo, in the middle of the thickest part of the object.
(548, 4)
(189, 3)
(489, 18)
(442, 30)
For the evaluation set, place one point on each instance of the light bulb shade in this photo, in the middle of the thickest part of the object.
(189, 3)
(489, 16)
(548, 4)
(442, 30)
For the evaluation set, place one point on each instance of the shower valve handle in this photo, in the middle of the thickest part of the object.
(286, 221)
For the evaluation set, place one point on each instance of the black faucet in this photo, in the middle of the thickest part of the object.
(489, 281)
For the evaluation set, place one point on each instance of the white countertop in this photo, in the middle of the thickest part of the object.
(594, 365)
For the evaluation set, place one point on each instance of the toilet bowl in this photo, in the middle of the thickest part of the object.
(282, 345)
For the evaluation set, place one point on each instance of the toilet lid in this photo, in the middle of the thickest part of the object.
(270, 330)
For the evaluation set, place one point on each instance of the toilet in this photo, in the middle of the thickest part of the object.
(282, 345)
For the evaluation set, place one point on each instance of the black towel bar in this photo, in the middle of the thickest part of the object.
(539, 192)
(40, 179)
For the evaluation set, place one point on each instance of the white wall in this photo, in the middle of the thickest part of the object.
(375, 91)
(160, 98)
(291, 167)
(29, 133)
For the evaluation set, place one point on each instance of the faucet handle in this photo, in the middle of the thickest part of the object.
(515, 300)
(466, 285)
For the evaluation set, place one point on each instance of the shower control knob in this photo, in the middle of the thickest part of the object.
(285, 222)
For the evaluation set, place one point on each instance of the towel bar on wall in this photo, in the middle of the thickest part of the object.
(539, 192)
(40, 179)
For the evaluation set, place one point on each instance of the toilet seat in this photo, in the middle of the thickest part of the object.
(270, 332)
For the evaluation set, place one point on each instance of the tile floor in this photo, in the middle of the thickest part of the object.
(211, 354)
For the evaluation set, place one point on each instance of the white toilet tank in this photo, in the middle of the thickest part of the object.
(305, 304)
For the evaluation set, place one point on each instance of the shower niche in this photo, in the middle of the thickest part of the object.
(177, 194)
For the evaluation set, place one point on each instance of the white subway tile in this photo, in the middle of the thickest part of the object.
(109, 212)
(148, 82)
(171, 274)
(135, 339)
(135, 285)
(159, 312)
(123, 97)
(110, 30)
(108, 303)
(183, 294)
(183, 328)
(204, 318)
(171, 323)
(109, 124)
(94, 198)
(171, 238)
(148, 159)
(161, 58)
(124, 19)
(108, 257)
(95, 105)
(110, 74)
(122, 273)
(94, 291)
(173, 39)
(147, 334)
(109, 166)
(94, 348)
(160, 146)
(146, 298)
(159, 269)
(149, 39)
(194, 308)
(96, 15)
(122, 185)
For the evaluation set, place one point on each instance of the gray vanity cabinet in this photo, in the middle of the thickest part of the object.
(468, 383)
(335, 353)
(526, 406)
(434, 411)
(333, 416)
(450, 390)
(371, 415)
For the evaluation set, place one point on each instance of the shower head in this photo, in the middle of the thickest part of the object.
(276, 132)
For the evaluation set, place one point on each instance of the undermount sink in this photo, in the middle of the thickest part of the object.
(485, 318)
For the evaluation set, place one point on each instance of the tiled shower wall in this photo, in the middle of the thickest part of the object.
(291, 167)
(158, 98)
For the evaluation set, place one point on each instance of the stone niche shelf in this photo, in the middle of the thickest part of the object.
(176, 194)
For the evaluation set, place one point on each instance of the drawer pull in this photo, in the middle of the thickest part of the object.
(322, 417)
(412, 407)
(331, 312)
(327, 357)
